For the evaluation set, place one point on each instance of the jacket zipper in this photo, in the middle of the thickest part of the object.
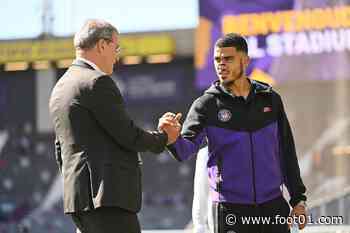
(253, 166)
(253, 162)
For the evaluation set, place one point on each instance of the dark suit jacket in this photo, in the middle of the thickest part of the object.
(97, 143)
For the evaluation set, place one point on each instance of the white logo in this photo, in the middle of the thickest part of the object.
(231, 219)
(224, 115)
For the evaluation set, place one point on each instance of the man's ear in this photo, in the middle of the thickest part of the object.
(100, 45)
(246, 60)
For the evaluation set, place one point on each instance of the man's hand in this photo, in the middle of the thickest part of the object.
(169, 123)
(300, 210)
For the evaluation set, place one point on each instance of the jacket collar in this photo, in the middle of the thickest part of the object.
(81, 63)
(87, 64)
(256, 88)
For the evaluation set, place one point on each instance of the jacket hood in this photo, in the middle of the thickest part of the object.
(257, 87)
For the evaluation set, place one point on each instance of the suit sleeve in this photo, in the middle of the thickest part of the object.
(192, 135)
(106, 104)
(293, 181)
(58, 156)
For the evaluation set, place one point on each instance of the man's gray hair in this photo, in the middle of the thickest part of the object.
(92, 31)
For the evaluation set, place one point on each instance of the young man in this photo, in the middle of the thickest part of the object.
(97, 143)
(251, 147)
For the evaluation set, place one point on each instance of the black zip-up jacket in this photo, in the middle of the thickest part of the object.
(251, 146)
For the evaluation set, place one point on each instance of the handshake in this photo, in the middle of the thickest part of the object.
(169, 123)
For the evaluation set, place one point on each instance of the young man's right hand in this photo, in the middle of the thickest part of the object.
(169, 123)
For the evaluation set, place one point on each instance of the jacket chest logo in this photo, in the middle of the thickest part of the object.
(267, 109)
(224, 115)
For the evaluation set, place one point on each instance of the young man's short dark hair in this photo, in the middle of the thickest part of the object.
(233, 40)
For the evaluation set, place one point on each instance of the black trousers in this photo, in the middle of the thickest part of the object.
(270, 217)
(106, 220)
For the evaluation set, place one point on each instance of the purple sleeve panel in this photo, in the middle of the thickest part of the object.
(184, 148)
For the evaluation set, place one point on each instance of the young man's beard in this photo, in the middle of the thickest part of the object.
(228, 83)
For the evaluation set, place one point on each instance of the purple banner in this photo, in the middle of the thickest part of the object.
(284, 38)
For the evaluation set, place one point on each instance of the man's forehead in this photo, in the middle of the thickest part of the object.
(225, 51)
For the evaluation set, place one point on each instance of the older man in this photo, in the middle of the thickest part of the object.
(97, 143)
